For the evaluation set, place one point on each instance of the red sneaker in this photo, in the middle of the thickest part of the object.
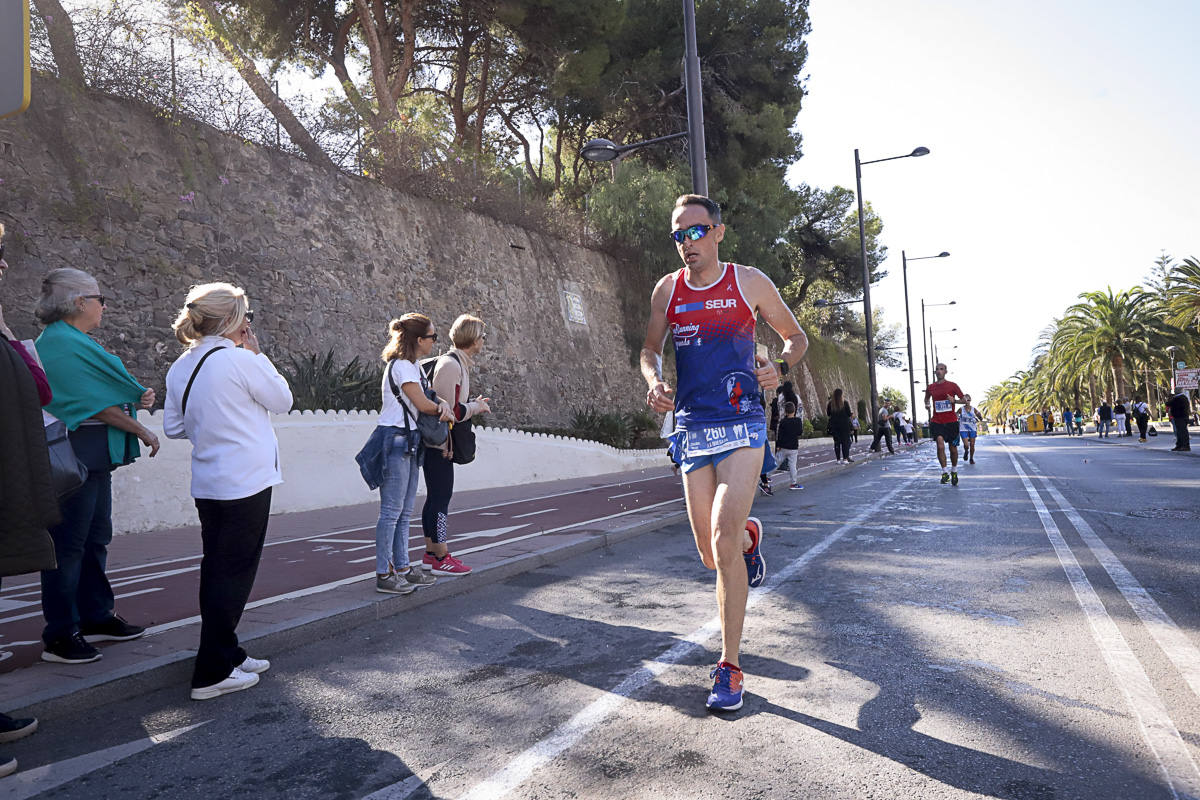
(450, 566)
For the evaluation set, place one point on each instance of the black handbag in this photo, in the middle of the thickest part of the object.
(67, 472)
(462, 434)
(462, 442)
(434, 431)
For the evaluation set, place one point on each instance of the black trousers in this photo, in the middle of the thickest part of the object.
(1143, 423)
(883, 430)
(1183, 439)
(439, 488)
(841, 444)
(233, 532)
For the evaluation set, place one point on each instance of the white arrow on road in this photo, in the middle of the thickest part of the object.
(42, 779)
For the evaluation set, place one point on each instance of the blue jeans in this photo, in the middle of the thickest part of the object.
(78, 590)
(397, 496)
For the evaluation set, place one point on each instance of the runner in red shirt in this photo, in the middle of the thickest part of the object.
(940, 397)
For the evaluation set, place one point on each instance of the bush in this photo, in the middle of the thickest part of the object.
(820, 424)
(319, 385)
(808, 429)
(638, 429)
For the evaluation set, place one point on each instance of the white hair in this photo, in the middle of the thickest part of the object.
(60, 289)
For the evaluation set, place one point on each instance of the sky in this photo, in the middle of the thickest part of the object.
(1065, 156)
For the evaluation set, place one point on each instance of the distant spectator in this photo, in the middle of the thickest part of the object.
(883, 428)
(1078, 422)
(1119, 418)
(220, 395)
(786, 394)
(1103, 419)
(787, 443)
(392, 457)
(1141, 413)
(97, 399)
(1180, 408)
(1068, 421)
(28, 504)
(452, 384)
(841, 423)
(854, 426)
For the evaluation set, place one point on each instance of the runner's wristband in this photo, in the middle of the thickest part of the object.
(783, 366)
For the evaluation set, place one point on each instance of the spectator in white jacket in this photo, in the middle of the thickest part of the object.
(220, 394)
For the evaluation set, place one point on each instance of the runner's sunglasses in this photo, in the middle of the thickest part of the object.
(695, 232)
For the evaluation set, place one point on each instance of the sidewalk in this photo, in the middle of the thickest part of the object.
(1162, 443)
(315, 577)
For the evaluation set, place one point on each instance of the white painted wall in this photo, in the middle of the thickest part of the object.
(317, 453)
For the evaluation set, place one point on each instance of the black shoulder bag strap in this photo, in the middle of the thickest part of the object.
(191, 380)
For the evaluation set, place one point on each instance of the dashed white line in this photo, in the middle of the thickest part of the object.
(533, 513)
(627, 494)
(569, 733)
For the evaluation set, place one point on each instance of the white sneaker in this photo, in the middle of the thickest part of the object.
(255, 665)
(236, 681)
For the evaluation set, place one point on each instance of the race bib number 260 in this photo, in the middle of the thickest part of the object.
(712, 439)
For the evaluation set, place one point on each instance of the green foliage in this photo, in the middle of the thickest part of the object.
(895, 399)
(819, 424)
(319, 384)
(863, 414)
(638, 429)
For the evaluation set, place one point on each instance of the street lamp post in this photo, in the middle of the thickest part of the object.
(912, 388)
(607, 150)
(862, 243)
(925, 347)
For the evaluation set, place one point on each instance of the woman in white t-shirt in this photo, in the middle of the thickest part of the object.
(412, 338)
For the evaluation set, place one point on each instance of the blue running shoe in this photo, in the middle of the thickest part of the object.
(726, 694)
(756, 565)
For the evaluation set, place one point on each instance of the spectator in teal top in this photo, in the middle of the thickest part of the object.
(96, 397)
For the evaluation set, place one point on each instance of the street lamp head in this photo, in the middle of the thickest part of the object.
(920, 151)
(943, 254)
(600, 150)
(952, 303)
(820, 303)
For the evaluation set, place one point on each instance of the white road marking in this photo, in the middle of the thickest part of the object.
(166, 626)
(360, 528)
(1159, 732)
(533, 513)
(489, 533)
(1183, 654)
(140, 591)
(30, 782)
(569, 733)
(627, 494)
(344, 541)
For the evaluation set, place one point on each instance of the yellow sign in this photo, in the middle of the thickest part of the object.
(14, 57)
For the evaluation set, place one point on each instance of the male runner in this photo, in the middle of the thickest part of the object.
(968, 421)
(940, 397)
(709, 308)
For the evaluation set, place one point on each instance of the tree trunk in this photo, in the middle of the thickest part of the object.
(1118, 370)
(62, 41)
(262, 90)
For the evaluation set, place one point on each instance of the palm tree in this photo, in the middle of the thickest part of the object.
(1183, 295)
(1110, 328)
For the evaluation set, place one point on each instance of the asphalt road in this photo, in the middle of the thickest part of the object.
(1029, 634)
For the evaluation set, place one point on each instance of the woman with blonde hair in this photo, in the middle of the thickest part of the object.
(97, 399)
(452, 384)
(220, 395)
(391, 458)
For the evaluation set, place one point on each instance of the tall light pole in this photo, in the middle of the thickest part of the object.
(912, 387)
(925, 347)
(607, 150)
(695, 105)
(862, 243)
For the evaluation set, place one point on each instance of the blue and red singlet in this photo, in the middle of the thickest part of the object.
(713, 331)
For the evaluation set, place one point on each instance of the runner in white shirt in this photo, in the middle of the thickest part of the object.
(968, 422)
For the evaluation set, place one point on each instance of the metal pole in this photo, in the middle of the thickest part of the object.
(695, 105)
(278, 141)
(174, 93)
(862, 243)
(933, 350)
(912, 387)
